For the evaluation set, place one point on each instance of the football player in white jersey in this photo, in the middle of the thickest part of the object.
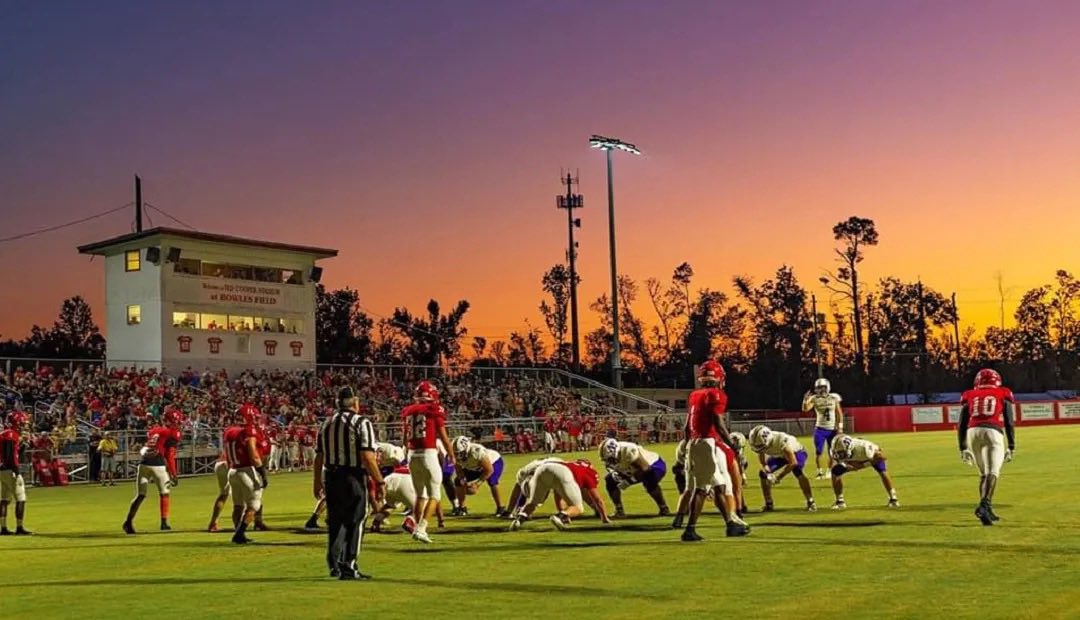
(830, 420)
(399, 490)
(628, 464)
(852, 454)
(780, 454)
(390, 457)
(477, 464)
(520, 493)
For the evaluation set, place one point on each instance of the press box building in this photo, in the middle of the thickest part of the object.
(176, 299)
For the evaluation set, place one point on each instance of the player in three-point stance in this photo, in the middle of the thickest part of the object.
(780, 452)
(986, 423)
(399, 490)
(706, 463)
(852, 454)
(628, 464)
(424, 426)
(519, 495)
(830, 420)
(247, 474)
(158, 465)
(12, 487)
(475, 465)
(574, 485)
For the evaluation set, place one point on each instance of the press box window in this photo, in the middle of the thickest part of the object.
(134, 315)
(132, 260)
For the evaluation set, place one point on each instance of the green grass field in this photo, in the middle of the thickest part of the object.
(931, 558)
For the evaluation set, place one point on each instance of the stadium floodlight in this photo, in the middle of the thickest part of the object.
(608, 145)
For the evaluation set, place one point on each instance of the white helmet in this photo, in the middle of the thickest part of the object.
(822, 386)
(840, 447)
(759, 436)
(738, 440)
(609, 450)
(461, 444)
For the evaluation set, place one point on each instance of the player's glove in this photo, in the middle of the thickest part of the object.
(263, 478)
(773, 480)
(1008, 456)
(967, 457)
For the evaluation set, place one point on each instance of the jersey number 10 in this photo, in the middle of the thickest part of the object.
(985, 406)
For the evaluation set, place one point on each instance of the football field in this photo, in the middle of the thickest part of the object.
(930, 558)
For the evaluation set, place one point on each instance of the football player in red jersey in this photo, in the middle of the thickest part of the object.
(12, 487)
(424, 427)
(986, 423)
(247, 475)
(704, 429)
(568, 481)
(158, 465)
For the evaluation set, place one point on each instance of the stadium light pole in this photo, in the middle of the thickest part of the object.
(608, 145)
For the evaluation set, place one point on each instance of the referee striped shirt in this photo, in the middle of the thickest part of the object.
(343, 436)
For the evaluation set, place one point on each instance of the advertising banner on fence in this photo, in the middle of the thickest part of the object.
(926, 415)
(954, 413)
(1036, 411)
(1069, 411)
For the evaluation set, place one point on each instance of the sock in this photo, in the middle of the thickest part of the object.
(840, 499)
(164, 504)
(421, 527)
(892, 494)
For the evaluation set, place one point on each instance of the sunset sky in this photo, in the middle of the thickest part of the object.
(424, 140)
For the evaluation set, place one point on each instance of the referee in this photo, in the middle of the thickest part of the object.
(345, 458)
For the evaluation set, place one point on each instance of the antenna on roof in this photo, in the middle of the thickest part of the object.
(138, 204)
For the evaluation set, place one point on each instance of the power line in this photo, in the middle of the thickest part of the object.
(170, 216)
(49, 229)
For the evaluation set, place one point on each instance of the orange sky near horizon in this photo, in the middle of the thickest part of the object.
(426, 147)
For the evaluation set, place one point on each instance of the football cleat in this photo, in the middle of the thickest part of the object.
(240, 539)
(560, 521)
(993, 515)
(421, 537)
(620, 513)
(128, 528)
(691, 535)
(5, 532)
(768, 507)
(841, 505)
(820, 474)
(737, 529)
(665, 511)
(677, 523)
(515, 525)
(311, 525)
(213, 527)
(983, 513)
(408, 524)
(895, 503)
(811, 506)
(165, 527)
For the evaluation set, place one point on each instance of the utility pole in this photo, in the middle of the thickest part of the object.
(956, 336)
(817, 337)
(138, 204)
(570, 202)
(922, 341)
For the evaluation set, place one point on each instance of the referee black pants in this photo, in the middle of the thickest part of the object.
(346, 507)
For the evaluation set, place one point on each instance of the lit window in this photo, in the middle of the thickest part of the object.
(213, 321)
(132, 260)
(185, 320)
(134, 315)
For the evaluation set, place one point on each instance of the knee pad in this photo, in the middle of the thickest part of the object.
(838, 470)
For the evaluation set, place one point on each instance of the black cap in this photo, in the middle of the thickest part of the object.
(346, 393)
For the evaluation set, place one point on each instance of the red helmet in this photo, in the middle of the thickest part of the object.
(18, 419)
(250, 414)
(711, 370)
(426, 391)
(174, 418)
(987, 377)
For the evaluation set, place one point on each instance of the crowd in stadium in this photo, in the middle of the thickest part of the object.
(123, 399)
